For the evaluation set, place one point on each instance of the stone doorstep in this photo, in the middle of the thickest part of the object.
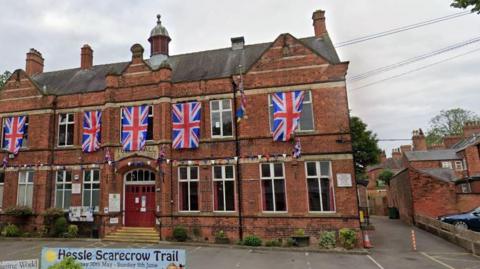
(211, 245)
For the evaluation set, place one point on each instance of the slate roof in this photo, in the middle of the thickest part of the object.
(467, 142)
(432, 155)
(185, 67)
(390, 163)
(444, 174)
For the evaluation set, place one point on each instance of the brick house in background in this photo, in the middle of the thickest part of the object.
(438, 181)
(238, 180)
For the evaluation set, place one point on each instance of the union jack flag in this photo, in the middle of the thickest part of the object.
(92, 122)
(287, 109)
(297, 149)
(134, 127)
(13, 131)
(241, 111)
(4, 162)
(186, 125)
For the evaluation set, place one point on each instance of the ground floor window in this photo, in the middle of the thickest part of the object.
(63, 189)
(2, 181)
(273, 187)
(320, 186)
(25, 188)
(224, 188)
(91, 189)
(188, 184)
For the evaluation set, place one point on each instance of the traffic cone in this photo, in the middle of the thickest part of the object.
(366, 240)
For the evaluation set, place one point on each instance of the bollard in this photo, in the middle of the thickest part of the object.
(414, 241)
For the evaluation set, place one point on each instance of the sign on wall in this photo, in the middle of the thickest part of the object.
(80, 214)
(99, 258)
(23, 264)
(76, 188)
(114, 202)
(148, 151)
(344, 180)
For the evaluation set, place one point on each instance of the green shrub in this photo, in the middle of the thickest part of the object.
(51, 214)
(289, 242)
(327, 240)
(67, 263)
(72, 231)
(299, 232)
(252, 241)
(220, 234)
(11, 230)
(19, 211)
(60, 226)
(180, 234)
(273, 243)
(347, 238)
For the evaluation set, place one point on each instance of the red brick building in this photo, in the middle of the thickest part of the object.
(438, 181)
(239, 180)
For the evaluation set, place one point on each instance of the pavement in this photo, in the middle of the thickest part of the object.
(391, 239)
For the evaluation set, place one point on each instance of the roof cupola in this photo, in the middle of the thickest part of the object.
(159, 40)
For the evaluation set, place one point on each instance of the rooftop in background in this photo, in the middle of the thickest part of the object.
(444, 174)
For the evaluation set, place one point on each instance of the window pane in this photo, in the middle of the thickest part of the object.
(58, 198)
(25, 134)
(217, 172)
(96, 175)
(229, 172)
(215, 105)
(265, 170)
(68, 176)
(184, 196)
(307, 97)
(63, 118)
(229, 195)
(193, 196)
(96, 199)
(30, 176)
(62, 135)
(325, 168)
(267, 195)
(21, 195)
(219, 205)
(306, 119)
(193, 173)
(129, 177)
(86, 197)
(226, 103)
(311, 169)
(183, 173)
(278, 170)
(70, 134)
(227, 123)
(68, 198)
(140, 175)
(313, 194)
(88, 174)
(216, 128)
(29, 195)
(2, 177)
(280, 204)
(70, 117)
(327, 195)
(1, 196)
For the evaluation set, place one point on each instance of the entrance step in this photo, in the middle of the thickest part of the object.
(134, 235)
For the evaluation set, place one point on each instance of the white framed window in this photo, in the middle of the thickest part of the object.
(2, 182)
(25, 188)
(91, 189)
(223, 188)
(140, 176)
(306, 119)
(66, 129)
(63, 189)
(273, 187)
(25, 133)
(458, 165)
(188, 178)
(221, 118)
(149, 125)
(447, 165)
(321, 195)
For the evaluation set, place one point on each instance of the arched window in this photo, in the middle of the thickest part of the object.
(140, 175)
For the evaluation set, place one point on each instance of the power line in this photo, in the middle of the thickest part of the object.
(413, 60)
(400, 29)
(417, 69)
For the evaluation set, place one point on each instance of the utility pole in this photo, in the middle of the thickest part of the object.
(238, 172)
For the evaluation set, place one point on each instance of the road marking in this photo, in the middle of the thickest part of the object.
(436, 260)
(197, 248)
(375, 262)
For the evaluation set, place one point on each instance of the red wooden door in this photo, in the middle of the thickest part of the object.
(140, 205)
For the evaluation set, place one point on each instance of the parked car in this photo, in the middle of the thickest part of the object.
(468, 220)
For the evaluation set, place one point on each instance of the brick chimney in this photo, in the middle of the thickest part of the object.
(405, 148)
(319, 23)
(418, 139)
(383, 157)
(396, 154)
(470, 128)
(86, 59)
(34, 62)
(451, 140)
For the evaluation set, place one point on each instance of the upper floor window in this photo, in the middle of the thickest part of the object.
(25, 133)
(91, 189)
(224, 188)
(273, 187)
(447, 165)
(221, 118)
(2, 181)
(66, 128)
(459, 165)
(25, 188)
(63, 189)
(320, 186)
(306, 119)
(188, 184)
(149, 126)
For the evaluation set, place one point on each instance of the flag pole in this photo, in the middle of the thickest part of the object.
(237, 154)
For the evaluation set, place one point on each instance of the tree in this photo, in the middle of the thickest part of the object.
(384, 177)
(475, 4)
(4, 77)
(448, 122)
(365, 147)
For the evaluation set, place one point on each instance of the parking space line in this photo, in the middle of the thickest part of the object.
(436, 260)
(375, 262)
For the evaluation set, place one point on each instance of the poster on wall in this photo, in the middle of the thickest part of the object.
(22, 264)
(344, 180)
(114, 202)
(99, 258)
(76, 188)
(80, 214)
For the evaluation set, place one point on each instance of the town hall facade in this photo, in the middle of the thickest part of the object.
(238, 180)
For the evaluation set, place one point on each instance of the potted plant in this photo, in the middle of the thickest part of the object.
(221, 238)
(300, 239)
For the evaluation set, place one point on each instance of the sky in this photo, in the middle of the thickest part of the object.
(392, 109)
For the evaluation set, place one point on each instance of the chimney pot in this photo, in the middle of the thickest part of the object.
(238, 43)
(419, 141)
(86, 57)
(34, 62)
(318, 18)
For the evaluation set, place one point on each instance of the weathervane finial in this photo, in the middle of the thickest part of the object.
(158, 19)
